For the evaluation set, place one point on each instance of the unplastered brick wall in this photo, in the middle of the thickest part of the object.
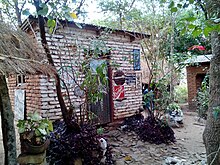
(67, 48)
(122, 54)
(192, 71)
(31, 86)
(49, 102)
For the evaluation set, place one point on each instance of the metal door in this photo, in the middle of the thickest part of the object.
(102, 108)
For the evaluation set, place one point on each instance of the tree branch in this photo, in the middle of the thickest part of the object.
(79, 7)
(22, 6)
(132, 3)
(203, 8)
(46, 1)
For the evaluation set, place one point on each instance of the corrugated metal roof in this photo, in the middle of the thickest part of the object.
(26, 25)
(199, 59)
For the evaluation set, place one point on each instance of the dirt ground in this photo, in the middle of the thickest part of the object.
(188, 148)
(190, 135)
(127, 149)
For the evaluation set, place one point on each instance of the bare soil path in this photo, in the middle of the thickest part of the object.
(188, 149)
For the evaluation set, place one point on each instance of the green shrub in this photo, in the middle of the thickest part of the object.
(202, 99)
(181, 93)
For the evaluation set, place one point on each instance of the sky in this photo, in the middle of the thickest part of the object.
(93, 12)
(91, 8)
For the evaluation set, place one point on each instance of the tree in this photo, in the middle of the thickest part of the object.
(13, 9)
(211, 135)
(158, 50)
(119, 10)
(7, 118)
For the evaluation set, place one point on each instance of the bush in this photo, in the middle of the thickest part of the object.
(151, 129)
(181, 93)
(66, 146)
(202, 99)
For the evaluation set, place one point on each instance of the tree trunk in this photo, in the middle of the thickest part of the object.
(18, 13)
(211, 135)
(63, 107)
(171, 65)
(8, 130)
(51, 62)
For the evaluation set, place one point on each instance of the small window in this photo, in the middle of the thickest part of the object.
(136, 59)
(20, 79)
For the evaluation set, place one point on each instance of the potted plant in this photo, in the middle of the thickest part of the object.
(33, 133)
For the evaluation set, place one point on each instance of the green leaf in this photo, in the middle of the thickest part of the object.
(42, 5)
(100, 131)
(191, 1)
(51, 23)
(216, 27)
(171, 4)
(191, 26)
(196, 32)
(42, 131)
(52, 5)
(179, 5)
(35, 116)
(183, 31)
(190, 19)
(26, 12)
(215, 114)
(37, 132)
(50, 30)
(43, 11)
(207, 30)
(50, 125)
(174, 9)
(21, 130)
(185, 5)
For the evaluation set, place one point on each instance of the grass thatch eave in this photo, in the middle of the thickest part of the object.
(19, 53)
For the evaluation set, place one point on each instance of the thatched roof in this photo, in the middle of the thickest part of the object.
(18, 53)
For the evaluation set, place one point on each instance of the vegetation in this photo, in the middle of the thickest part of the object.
(152, 130)
(181, 93)
(203, 99)
(35, 129)
(69, 146)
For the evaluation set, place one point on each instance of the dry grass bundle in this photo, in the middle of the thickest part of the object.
(18, 53)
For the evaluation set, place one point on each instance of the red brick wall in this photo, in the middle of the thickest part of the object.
(32, 91)
(192, 84)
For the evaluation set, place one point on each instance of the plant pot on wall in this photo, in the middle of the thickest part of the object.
(28, 148)
(34, 134)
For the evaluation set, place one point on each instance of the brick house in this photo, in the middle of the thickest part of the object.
(122, 100)
(196, 72)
